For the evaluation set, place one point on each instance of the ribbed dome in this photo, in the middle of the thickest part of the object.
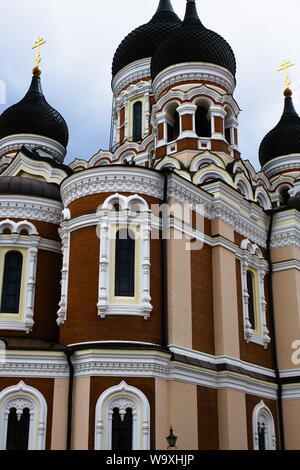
(33, 115)
(143, 41)
(284, 139)
(192, 42)
(29, 187)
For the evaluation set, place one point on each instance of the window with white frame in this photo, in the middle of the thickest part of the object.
(253, 271)
(264, 437)
(23, 418)
(124, 272)
(122, 419)
(18, 262)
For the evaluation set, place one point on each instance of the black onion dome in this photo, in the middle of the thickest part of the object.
(143, 41)
(284, 139)
(33, 115)
(192, 42)
(29, 187)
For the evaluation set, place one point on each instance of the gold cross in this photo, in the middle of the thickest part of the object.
(285, 66)
(38, 43)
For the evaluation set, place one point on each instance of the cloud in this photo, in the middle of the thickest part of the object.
(82, 36)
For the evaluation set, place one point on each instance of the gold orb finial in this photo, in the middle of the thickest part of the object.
(37, 45)
(288, 93)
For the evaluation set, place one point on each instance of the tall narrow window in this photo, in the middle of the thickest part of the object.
(137, 121)
(261, 436)
(11, 282)
(251, 299)
(203, 124)
(18, 430)
(122, 430)
(174, 128)
(125, 264)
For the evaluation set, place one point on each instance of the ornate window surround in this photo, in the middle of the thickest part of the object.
(65, 236)
(263, 413)
(122, 396)
(139, 221)
(22, 396)
(28, 246)
(251, 259)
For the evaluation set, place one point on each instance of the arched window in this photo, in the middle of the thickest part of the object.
(251, 298)
(18, 429)
(228, 127)
(23, 418)
(264, 437)
(137, 121)
(173, 124)
(125, 264)
(122, 419)
(203, 123)
(11, 286)
(122, 427)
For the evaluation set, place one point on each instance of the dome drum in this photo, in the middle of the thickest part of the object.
(202, 73)
(46, 147)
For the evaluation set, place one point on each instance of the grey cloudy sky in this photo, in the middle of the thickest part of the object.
(82, 36)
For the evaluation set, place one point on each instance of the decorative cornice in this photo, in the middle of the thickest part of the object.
(32, 208)
(112, 179)
(131, 73)
(224, 203)
(20, 364)
(286, 265)
(46, 146)
(286, 229)
(193, 72)
(201, 369)
(283, 164)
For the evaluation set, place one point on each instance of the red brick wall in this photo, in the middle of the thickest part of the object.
(219, 125)
(208, 427)
(202, 300)
(187, 122)
(83, 323)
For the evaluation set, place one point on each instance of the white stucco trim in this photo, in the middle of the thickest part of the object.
(262, 414)
(122, 397)
(22, 396)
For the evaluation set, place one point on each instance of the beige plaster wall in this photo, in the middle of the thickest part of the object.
(81, 410)
(179, 291)
(60, 414)
(226, 320)
(232, 420)
(291, 413)
(287, 314)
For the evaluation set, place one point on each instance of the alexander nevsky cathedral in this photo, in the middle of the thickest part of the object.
(152, 291)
